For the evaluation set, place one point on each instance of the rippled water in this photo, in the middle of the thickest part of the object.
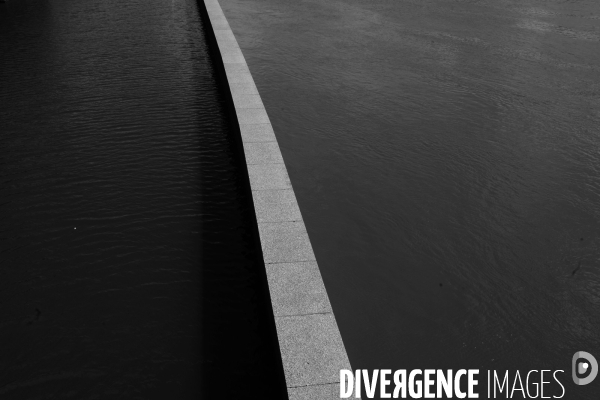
(127, 259)
(445, 155)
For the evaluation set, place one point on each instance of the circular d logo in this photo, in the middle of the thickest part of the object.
(590, 364)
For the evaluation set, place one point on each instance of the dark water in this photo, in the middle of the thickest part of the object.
(446, 157)
(128, 266)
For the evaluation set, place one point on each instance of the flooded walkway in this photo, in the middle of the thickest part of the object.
(445, 158)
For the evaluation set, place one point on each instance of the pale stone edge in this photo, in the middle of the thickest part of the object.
(282, 232)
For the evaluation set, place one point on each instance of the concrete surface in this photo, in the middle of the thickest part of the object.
(311, 346)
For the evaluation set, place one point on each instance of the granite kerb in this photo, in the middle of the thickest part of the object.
(311, 346)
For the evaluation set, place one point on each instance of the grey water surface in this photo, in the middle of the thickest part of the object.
(446, 158)
(128, 268)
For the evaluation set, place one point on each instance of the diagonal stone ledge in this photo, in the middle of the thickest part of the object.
(225, 35)
(257, 133)
(242, 88)
(247, 100)
(268, 176)
(231, 50)
(285, 242)
(232, 58)
(262, 153)
(297, 289)
(252, 116)
(226, 45)
(276, 205)
(311, 346)
(312, 350)
(244, 77)
(233, 68)
(218, 23)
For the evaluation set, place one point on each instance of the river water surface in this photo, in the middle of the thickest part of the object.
(446, 158)
(128, 268)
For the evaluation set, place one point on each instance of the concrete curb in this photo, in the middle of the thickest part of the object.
(312, 350)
